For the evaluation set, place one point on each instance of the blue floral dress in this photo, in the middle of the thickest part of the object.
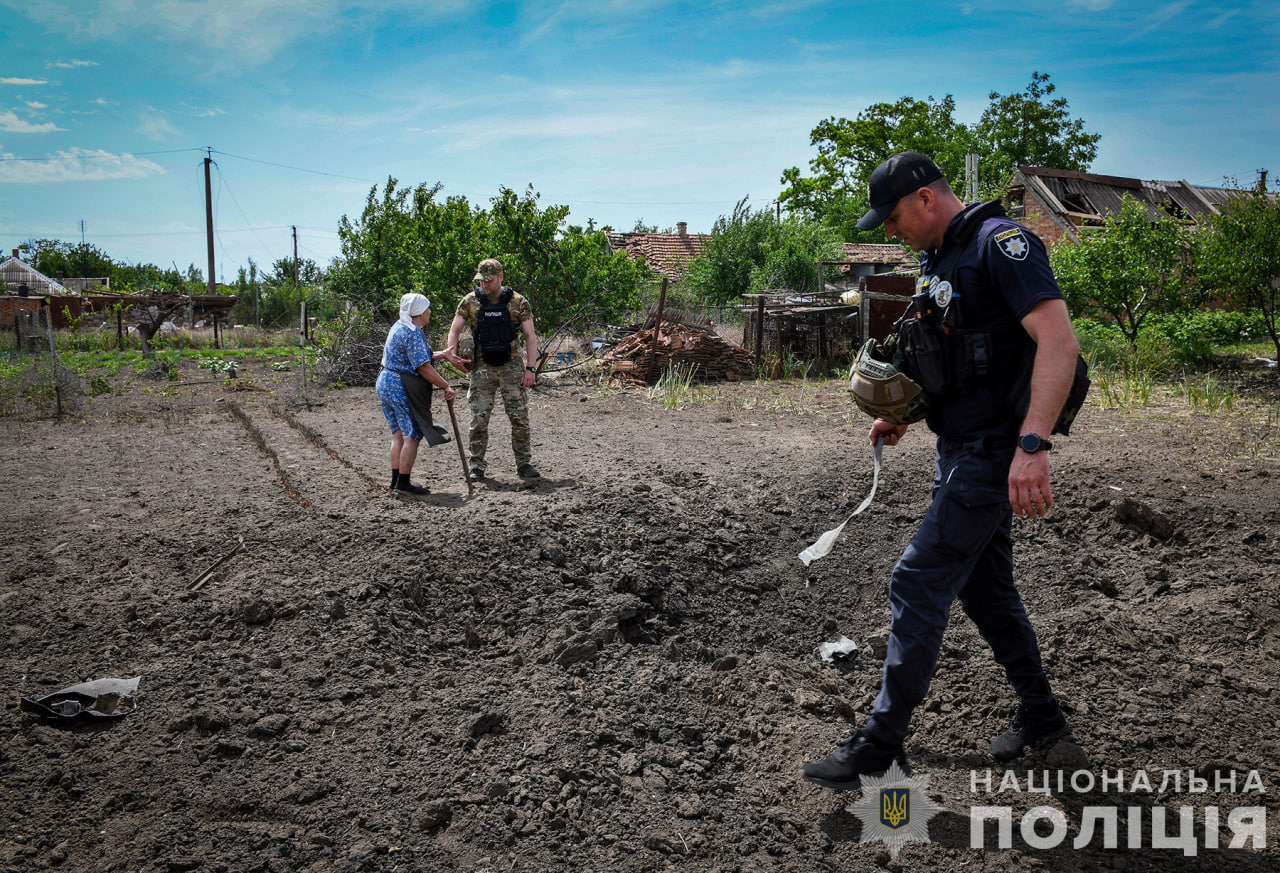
(405, 351)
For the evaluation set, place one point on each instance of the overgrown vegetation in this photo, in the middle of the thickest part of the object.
(1136, 265)
(750, 251)
(407, 239)
(1033, 127)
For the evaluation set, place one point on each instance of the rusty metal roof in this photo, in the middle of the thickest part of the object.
(15, 274)
(1086, 199)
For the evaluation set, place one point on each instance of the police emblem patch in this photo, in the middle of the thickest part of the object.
(895, 809)
(942, 291)
(1013, 242)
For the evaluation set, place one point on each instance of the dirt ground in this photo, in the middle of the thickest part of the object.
(614, 669)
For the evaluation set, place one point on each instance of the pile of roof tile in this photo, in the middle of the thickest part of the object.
(638, 360)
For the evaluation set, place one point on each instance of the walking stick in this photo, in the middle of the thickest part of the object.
(457, 438)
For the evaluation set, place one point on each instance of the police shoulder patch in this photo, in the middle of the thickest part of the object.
(1013, 243)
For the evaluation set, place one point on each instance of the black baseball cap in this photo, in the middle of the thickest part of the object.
(895, 178)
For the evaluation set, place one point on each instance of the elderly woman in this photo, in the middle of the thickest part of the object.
(405, 396)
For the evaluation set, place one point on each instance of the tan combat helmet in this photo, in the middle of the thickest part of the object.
(881, 390)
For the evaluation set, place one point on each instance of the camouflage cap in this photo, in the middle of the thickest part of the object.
(488, 268)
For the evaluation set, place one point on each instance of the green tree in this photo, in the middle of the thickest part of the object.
(1025, 128)
(1033, 129)
(1240, 257)
(751, 251)
(1134, 266)
(409, 239)
(836, 192)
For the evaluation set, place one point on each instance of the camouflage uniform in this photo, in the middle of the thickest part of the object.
(487, 380)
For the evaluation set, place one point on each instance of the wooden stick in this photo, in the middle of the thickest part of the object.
(199, 581)
(457, 438)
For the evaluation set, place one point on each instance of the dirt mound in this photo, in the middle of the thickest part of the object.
(614, 669)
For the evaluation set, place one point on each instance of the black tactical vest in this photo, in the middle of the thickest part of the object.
(494, 333)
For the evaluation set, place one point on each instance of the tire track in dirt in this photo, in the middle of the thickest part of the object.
(312, 474)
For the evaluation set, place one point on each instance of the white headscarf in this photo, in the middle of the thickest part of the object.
(411, 305)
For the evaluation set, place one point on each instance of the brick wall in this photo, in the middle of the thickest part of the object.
(11, 306)
(1037, 219)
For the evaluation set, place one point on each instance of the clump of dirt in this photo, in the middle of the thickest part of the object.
(612, 669)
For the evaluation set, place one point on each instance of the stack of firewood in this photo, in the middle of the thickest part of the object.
(638, 360)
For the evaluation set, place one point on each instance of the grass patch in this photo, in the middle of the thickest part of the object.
(676, 388)
(1206, 393)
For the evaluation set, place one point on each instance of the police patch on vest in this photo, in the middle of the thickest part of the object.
(1013, 243)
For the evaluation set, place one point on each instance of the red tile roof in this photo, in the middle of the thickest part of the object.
(667, 254)
(877, 253)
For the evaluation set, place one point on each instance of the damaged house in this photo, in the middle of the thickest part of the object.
(1060, 205)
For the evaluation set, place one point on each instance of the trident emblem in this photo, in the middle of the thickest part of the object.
(895, 807)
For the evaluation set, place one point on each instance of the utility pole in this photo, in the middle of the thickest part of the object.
(208, 219)
(82, 231)
(970, 178)
(295, 254)
(1262, 180)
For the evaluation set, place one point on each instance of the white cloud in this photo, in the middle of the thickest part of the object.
(240, 32)
(24, 81)
(1160, 18)
(783, 7)
(154, 126)
(201, 112)
(77, 165)
(11, 123)
(71, 65)
(35, 104)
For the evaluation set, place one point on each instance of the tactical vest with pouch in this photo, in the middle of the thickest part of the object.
(494, 333)
(949, 359)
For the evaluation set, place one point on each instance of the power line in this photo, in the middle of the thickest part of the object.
(222, 183)
(298, 169)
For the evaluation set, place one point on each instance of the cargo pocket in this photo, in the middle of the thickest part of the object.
(970, 506)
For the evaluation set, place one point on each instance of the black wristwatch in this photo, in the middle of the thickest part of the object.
(533, 370)
(1033, 442)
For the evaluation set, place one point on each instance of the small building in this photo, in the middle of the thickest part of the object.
(1060, 205)
(667, 254)
(865, 259)
(23, 280)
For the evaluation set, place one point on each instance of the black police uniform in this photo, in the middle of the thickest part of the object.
(964, 546)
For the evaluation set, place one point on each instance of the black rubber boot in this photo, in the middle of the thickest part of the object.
(395, 480)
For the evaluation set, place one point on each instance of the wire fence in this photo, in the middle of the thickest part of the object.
(38, 383)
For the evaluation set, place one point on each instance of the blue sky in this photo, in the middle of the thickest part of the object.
(629, 109)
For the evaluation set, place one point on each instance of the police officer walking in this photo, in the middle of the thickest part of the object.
(498, 317)
(991, 316)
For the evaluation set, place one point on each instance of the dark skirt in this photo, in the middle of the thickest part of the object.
(419, 392)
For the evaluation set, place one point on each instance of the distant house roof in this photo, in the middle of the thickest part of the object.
(1075, 200)
(667, 254)
(16, 274)
(878, 253)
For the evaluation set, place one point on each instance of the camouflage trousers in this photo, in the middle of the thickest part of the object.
(482, 391)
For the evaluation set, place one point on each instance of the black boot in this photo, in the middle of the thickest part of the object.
(1037, 728)
(395, 480)
(856, 757)
(405, 488)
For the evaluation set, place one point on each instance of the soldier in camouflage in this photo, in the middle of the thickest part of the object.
(490, 373)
